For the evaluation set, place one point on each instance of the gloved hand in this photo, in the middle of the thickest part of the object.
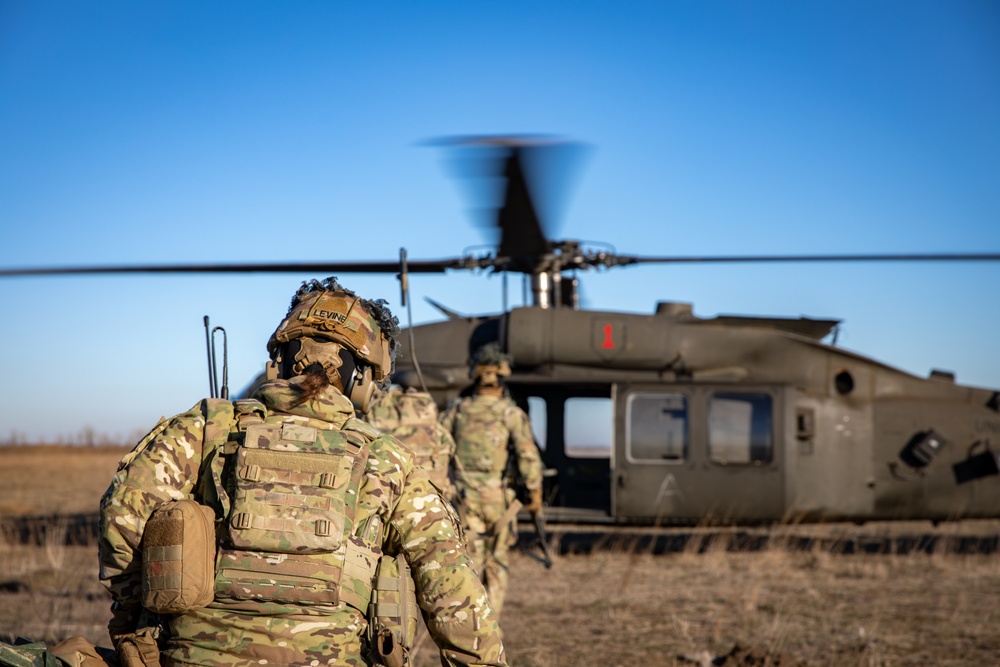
(535, 504)
(124, 618)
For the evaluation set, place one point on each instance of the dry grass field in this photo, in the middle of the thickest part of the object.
(774, 607)
(51, 479)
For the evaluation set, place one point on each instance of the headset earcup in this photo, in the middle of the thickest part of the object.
(363, 389)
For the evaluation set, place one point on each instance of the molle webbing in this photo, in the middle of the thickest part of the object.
(483, 458)
(393, 607)
(408, 414)
(170, 566)
(296, 489)
(246, 575)
(292, 524)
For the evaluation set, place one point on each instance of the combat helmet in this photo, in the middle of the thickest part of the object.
(325, 320)
(489, 364)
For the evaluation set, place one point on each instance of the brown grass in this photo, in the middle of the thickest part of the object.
(55, 479)
(812, 608)
(611, 608)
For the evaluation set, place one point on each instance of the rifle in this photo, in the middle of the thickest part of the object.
(513, 475)
(543, 540)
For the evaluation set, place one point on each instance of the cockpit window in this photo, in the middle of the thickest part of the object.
(657, 427)
(740, 429)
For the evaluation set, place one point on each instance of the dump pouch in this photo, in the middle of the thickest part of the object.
(178, 558)
(392, 614)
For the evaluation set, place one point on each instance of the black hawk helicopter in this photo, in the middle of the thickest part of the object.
(672, 418)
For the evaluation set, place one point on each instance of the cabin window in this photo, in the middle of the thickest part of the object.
(657, 427)
(740, 429)
(588, 427)
(539, 416)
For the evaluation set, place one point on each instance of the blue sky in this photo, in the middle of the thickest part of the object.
(228, 132)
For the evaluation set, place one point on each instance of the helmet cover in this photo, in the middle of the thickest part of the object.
(326, 312)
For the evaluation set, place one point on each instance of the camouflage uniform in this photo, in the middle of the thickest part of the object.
(412, 417)
(484, 427)
(397, 512)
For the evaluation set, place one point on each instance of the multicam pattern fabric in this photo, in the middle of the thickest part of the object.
(398, 511)
(340, 317)
(411, 417)
(483, 427)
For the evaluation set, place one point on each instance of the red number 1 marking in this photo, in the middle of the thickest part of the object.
(608, 344)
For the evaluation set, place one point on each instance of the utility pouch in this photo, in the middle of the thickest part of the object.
(178, 558)
(392, 614)
(139, 650)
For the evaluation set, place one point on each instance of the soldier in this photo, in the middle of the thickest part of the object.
(411, 416)
(488, 428)
(305, 500)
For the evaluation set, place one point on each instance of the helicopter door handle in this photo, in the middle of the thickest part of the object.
(621, 480)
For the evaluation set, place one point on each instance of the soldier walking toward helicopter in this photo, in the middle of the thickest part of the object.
(492, 436)
(411, 416)
(298, 506)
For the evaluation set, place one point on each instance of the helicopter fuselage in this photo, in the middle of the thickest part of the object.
(670, 418)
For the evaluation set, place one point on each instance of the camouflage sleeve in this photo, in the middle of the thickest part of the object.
(163, 466)
(449, 592)
(447, 442)
(447, 418)
(529, 461)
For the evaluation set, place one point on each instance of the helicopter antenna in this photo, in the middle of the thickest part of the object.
(505, 291)
(211, 370)
(216, 393)
(404, 289)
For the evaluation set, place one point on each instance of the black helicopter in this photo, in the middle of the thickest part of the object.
(671, 418)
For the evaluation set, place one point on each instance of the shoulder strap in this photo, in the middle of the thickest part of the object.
(366, 430)
(249, 411)
(219, 417)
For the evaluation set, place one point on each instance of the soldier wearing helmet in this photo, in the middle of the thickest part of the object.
(492, 436)
(308, 504)
(411, 416)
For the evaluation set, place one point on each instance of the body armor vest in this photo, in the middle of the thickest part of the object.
(476, 457)
(292, 493)
(411, 420)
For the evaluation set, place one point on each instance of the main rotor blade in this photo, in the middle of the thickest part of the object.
(481, 263)
(521, 234)
(911, 257)
(324, 268)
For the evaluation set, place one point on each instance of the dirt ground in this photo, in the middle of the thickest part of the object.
(773, 607)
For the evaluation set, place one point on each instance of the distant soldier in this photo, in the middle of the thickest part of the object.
(411, 416)
(489, 429)
(261, 531)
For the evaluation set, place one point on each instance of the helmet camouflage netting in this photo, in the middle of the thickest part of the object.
(327, 311)
(491, 355)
